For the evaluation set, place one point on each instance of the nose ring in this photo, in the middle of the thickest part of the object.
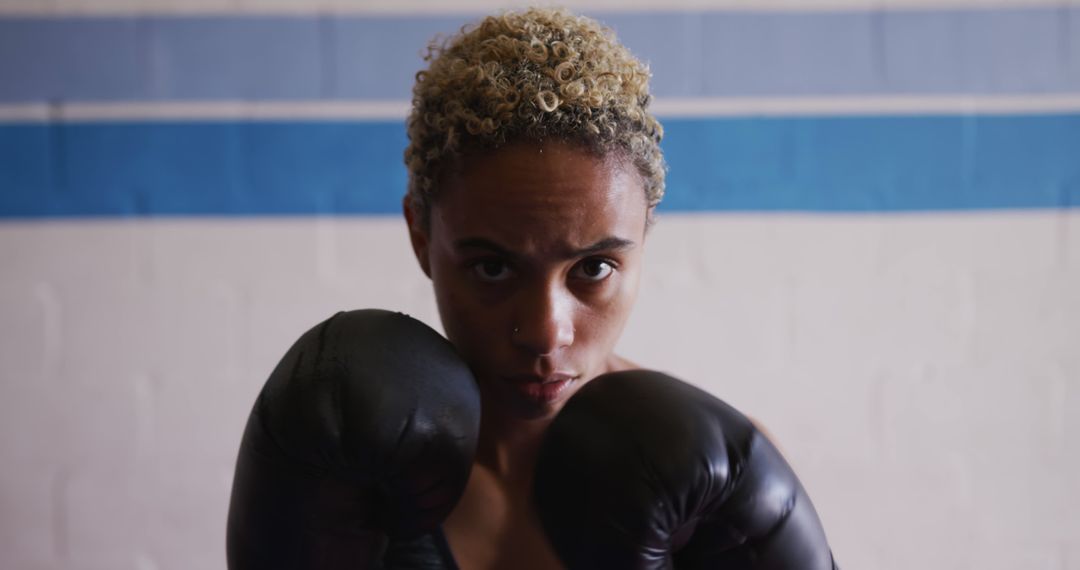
(516, 330)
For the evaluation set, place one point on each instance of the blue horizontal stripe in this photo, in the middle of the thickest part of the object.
(874, 164)
(205, 168)
(818, 164)
(692, 54)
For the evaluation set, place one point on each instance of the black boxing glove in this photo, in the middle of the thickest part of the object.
(640, 470)
(365, 430)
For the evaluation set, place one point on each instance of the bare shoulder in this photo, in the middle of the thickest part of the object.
(617, 363)
(768, 435)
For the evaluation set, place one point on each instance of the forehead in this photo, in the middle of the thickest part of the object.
(535, 197)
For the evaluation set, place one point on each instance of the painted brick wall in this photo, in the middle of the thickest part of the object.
(919, 372)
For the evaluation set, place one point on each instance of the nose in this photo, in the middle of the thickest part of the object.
(544, 319)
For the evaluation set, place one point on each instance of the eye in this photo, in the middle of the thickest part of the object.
(594, 269)
(492, 270)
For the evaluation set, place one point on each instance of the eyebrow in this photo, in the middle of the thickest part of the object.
(611, 243)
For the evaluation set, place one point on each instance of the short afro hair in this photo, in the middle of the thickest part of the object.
(530, 76)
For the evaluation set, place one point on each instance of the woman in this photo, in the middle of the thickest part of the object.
(534, 170)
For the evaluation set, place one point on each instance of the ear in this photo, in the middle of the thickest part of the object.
(418, 235)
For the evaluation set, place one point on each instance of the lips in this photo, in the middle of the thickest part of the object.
(536, 378)
(541, 389)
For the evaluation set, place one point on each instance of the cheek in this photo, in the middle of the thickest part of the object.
(605, 321)
(448, 298)
(625, 301)
(464, 322)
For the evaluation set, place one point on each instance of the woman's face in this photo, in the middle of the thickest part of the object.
(534, 253)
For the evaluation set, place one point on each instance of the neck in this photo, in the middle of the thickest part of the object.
(508, 445)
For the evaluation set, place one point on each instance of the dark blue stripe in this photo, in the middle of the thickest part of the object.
(823, 164)
(693, 54)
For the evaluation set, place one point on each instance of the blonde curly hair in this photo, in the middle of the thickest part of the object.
(530, 76)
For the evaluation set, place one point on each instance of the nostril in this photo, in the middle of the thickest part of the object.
(543, 339)
(544, 324)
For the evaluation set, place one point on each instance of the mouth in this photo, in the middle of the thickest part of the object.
(542, 389)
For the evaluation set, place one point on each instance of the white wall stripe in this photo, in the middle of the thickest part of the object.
(883, 352)
(869, 105)
(414, 7)
(205, 110)
(671, 108)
